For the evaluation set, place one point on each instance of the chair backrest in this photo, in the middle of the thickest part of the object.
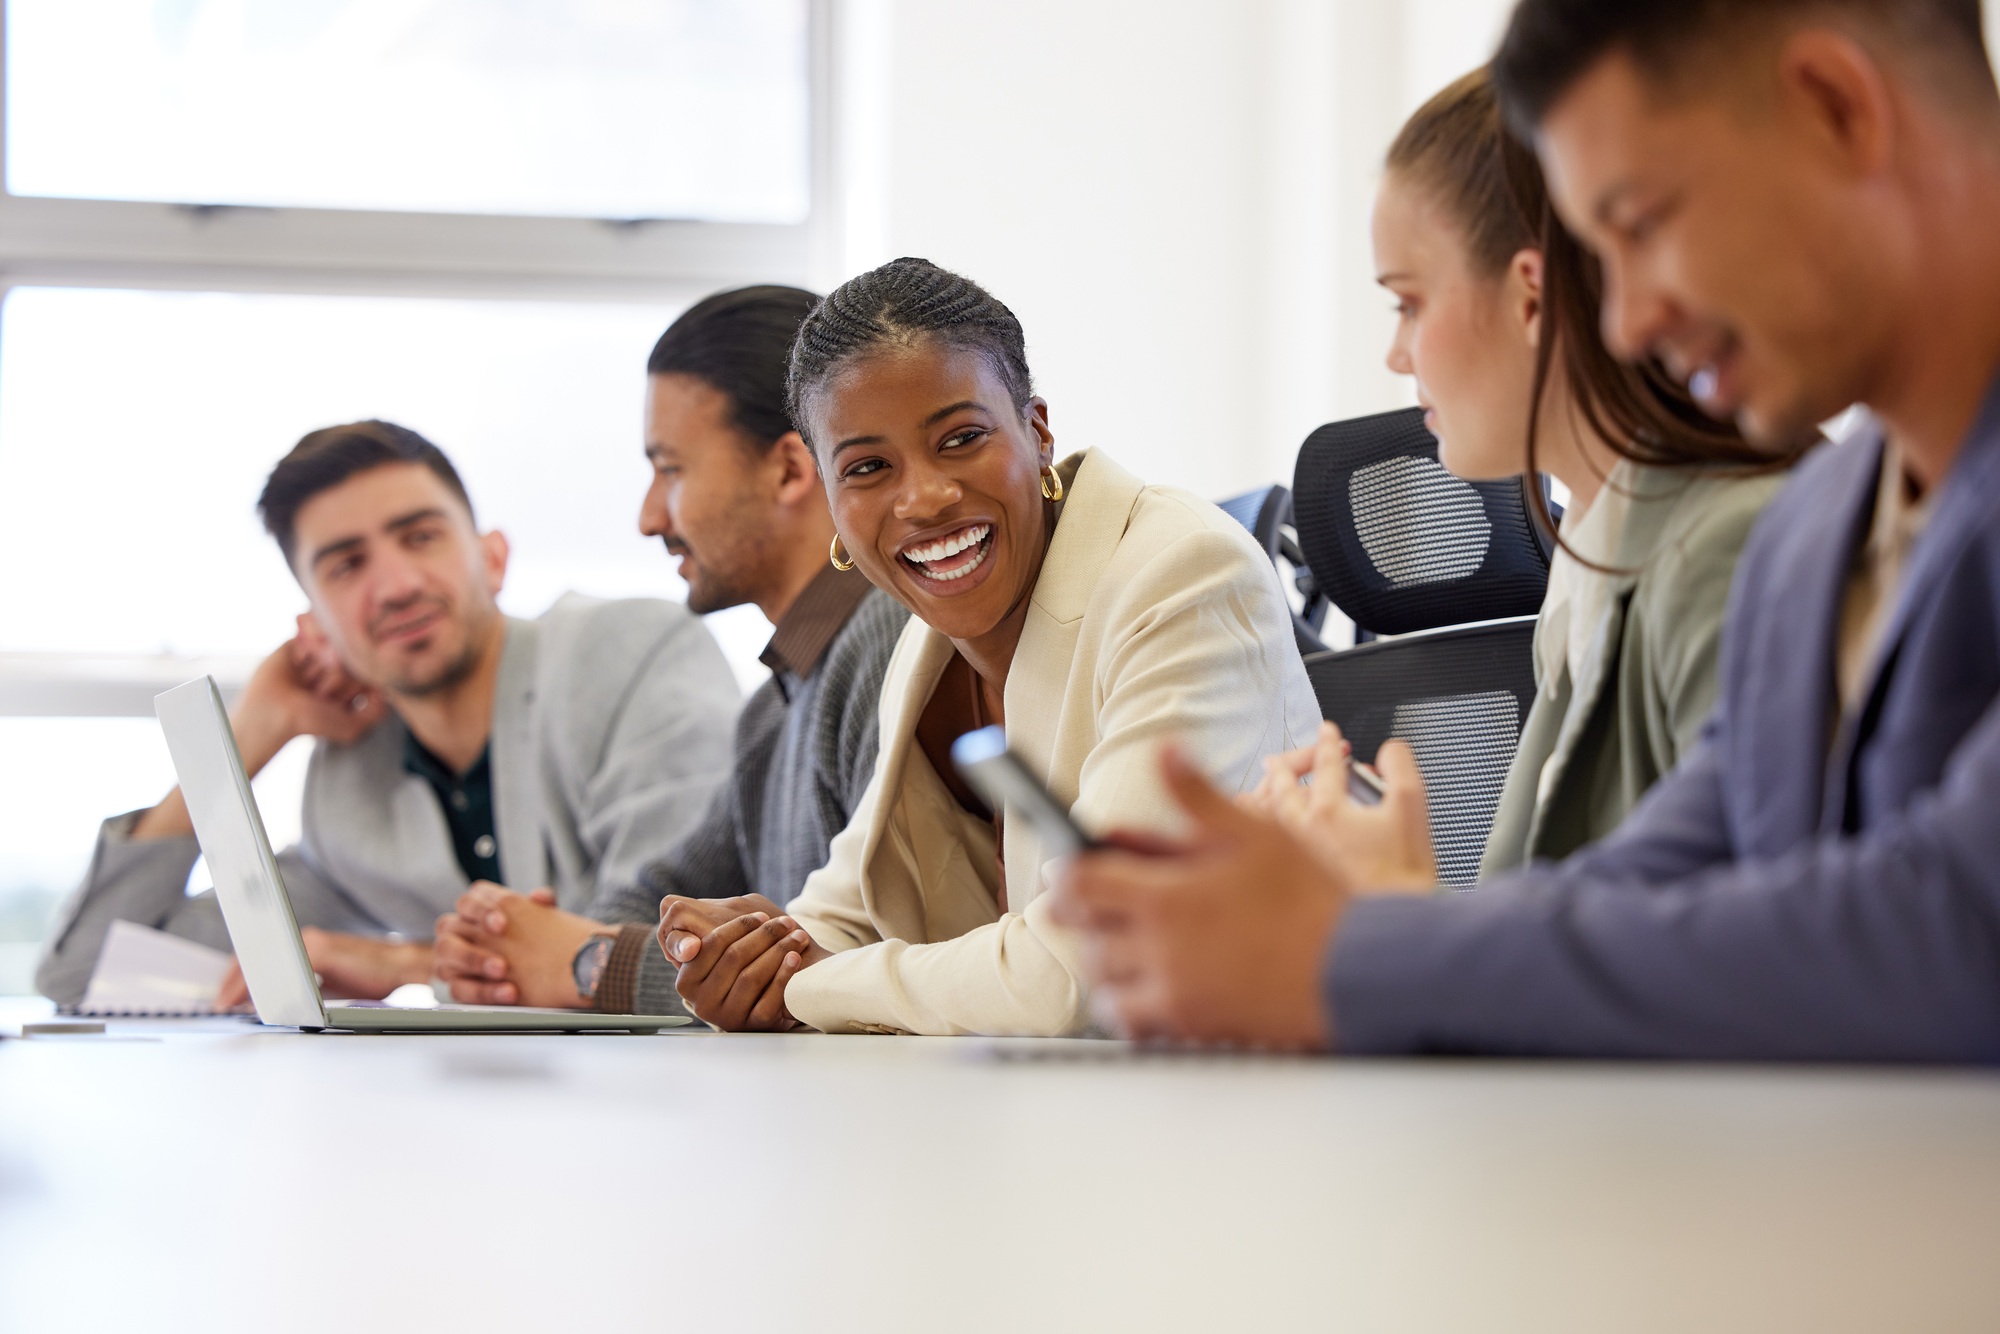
(1267, 514)
(1401, 545)
(1459, 697)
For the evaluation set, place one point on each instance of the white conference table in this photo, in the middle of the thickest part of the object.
(163, 1177)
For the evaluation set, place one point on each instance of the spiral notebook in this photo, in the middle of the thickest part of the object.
(143, 972)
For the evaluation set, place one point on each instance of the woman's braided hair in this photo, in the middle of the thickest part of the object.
(900, 305)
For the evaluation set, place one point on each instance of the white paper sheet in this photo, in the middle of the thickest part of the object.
(148, 972)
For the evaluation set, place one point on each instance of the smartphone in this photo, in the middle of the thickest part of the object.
(1364, 785)
(1002, 781)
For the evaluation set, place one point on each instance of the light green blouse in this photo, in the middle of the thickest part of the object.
(1626, 690)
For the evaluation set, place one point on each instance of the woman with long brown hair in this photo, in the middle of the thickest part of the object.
(1498, 324)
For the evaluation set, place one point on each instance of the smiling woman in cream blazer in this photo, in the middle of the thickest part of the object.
(1156, 617)
(1114, 615)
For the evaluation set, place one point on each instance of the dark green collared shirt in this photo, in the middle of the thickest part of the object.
(467, 801)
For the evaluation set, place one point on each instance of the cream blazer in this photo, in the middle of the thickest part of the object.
(1155, 616)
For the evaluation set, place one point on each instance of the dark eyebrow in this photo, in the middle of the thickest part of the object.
(931, 420)
(942, 413)
(853, 441)
(340, 548)
(397, 524)
(413, 518)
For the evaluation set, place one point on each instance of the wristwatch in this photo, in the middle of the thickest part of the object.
(588, 966)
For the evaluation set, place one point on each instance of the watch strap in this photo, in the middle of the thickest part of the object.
(618, 985)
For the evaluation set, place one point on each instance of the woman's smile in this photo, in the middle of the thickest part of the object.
(935, 480)
(952, 563)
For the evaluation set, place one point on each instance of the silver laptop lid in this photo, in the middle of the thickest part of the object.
(231, 833)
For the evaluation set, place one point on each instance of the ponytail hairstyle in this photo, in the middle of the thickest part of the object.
(903, 304)
(738, 343)
(1457, 148)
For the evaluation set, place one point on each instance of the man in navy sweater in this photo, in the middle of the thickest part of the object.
(1794, 201)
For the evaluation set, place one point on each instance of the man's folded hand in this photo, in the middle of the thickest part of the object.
(497, 947)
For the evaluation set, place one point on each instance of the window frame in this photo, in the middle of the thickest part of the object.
(50, 242)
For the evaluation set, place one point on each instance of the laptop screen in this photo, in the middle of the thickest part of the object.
(231, 834)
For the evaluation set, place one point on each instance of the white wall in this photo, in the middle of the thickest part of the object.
(1172, 194)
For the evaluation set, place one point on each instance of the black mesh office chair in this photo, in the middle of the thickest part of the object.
(1405, 548)
(1267, 513)
(1400, 544)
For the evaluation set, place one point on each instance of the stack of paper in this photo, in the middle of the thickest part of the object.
(146, 972)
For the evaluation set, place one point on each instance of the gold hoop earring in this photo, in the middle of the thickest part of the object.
(1052, 487)
(838, 556)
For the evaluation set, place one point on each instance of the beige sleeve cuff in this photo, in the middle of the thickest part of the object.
(1018, 977)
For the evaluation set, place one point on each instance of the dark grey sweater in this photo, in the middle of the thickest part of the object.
(805, 751)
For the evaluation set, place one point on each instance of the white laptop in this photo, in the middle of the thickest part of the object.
(259, 914)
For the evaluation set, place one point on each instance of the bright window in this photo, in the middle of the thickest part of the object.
(417, 197)
(694, 109)
(62, 778)
(136, 429)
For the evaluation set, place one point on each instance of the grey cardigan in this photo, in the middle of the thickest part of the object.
(1649, 682)
(611, 729)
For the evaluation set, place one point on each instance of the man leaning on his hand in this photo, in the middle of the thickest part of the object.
(454, 744)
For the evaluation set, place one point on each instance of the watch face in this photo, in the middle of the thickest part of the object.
(589, 965)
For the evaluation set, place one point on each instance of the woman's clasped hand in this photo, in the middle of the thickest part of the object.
(735, 957)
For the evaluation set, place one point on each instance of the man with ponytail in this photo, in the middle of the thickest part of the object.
(736, 498)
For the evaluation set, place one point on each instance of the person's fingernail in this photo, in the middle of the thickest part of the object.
(684, 951)
(799, 937)
(494, 968)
